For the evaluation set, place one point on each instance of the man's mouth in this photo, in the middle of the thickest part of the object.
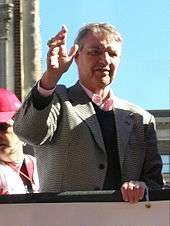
(103, 70)
(3, 145)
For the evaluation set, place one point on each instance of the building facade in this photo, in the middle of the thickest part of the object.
(20, 45)
(162, 118)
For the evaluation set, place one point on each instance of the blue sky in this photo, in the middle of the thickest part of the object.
(143, 75)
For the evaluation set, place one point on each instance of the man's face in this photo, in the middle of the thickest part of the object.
(10, 145)
(98, 61)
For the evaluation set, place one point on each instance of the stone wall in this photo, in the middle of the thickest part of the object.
(20, 45)
(162, 118)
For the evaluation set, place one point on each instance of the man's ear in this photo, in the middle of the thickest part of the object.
(76, 56)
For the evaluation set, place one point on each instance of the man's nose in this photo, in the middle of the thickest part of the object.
(105, 58)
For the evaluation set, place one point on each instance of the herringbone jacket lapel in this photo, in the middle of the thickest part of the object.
(84, 109)
(124, 126)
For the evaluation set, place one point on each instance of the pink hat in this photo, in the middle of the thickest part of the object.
(9, 104)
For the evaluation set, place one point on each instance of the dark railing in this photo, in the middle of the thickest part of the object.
(79, 196)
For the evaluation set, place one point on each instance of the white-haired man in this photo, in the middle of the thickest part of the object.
(85, 137)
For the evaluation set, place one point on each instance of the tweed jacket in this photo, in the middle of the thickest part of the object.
(69, 147)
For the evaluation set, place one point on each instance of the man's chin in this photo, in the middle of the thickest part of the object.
(104, 82)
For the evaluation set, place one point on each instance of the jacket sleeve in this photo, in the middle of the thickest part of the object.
(37, 119)
(151, 172)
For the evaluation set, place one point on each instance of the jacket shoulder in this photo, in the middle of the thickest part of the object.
(133, 108)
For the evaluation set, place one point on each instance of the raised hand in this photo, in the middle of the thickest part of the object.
(58, 59)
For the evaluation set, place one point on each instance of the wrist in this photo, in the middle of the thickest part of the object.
(48, 81)
(44, 92)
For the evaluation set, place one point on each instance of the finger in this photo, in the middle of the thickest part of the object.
(131, 194)
(124, 191)
(52, 57)
(73, 51)
(136, 194)
(141, 193)
(53, 51)
(59, 38)
(133, 191)
(62, 51)
(62, 35)
(57, 41)
(64, 28)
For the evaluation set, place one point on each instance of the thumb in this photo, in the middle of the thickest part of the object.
(73, 51)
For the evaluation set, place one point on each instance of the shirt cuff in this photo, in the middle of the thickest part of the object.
(44, 92)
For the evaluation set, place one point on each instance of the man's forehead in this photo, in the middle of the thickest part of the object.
(109, 46)
(100, 40)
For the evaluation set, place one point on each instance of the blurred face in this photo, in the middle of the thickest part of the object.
(10, 145)
(98, 60)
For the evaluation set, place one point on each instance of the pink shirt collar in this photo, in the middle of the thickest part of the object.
(107, 105)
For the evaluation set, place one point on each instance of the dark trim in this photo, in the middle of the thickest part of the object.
(71, 197)
(160, 113)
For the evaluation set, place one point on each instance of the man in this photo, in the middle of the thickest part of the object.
(18, 172)
(85, 137)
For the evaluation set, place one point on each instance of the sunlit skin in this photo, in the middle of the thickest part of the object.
(11, 148)
(98, 61)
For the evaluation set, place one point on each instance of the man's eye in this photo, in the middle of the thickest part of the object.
(113, 54)
(94, 52)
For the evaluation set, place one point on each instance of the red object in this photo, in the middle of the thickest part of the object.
(3, 193)
(9, 104)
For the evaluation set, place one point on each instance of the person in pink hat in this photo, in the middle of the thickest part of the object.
(18, 171)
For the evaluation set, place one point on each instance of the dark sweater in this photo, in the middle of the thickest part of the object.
(108, 128)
